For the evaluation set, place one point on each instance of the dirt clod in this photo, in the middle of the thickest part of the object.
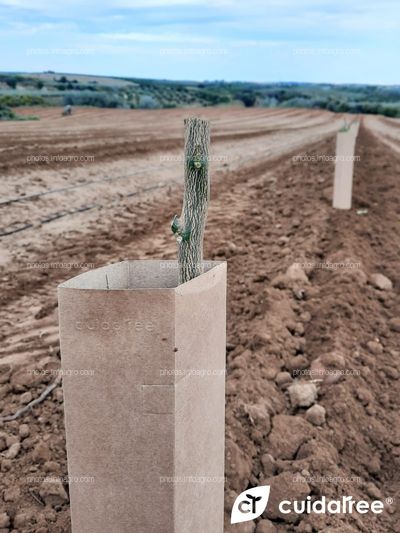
(4, 520)
(13, 451)
(316, 415)
(302, 394)
(381, 282)
(287, 435)
(53, 493)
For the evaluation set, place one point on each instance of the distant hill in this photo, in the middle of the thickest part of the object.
(51, 88)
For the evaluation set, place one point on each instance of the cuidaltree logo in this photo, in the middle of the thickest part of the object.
(250, 504)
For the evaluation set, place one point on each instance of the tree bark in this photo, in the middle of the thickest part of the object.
(189, 228)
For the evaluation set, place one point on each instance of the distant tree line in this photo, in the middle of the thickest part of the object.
(62, 89)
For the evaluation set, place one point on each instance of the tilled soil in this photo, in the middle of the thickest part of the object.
(303, 309)
(386, 129)
(287, 325)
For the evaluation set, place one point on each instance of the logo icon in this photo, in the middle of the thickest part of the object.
(250, 504)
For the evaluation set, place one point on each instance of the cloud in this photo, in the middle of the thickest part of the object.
(25, 27)
(154, 37)
(255, 32)
(64, 5)
(135, 4)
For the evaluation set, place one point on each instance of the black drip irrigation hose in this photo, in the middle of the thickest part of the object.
(62, 214)
(37, 195)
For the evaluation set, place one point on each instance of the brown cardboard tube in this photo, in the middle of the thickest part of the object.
(344, 165)
(143, 366)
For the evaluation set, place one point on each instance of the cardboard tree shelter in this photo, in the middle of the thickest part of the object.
(143, 359)
(344, 166)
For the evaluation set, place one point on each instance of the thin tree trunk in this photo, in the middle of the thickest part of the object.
(189, 228)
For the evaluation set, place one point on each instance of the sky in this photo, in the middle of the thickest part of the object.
(340, 41)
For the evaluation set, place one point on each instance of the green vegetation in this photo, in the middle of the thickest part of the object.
(249, 98)
(100, 99)
(52, 88)
(8, 114)
(17, 100)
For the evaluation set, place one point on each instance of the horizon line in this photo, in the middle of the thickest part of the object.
(126, 77)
